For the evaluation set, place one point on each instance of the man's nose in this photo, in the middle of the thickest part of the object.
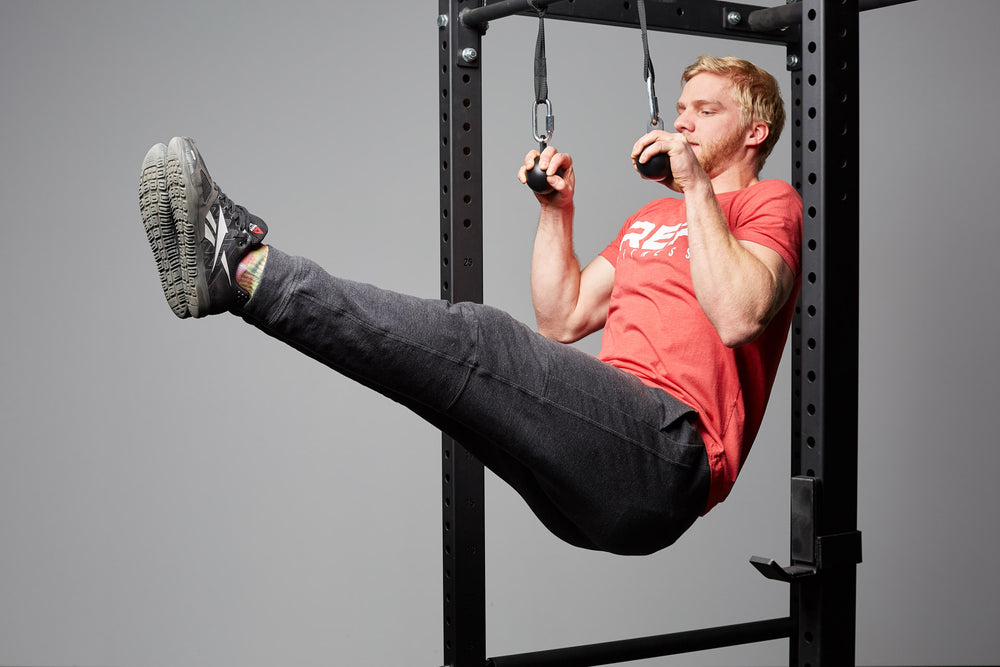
(683, 123)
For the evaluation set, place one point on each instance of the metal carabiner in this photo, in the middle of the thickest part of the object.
(655, 122)
(550, 121)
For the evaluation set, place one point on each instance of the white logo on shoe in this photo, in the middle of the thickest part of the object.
(218, 229)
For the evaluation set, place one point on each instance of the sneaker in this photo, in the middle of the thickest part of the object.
(213, 234)
(154, 206)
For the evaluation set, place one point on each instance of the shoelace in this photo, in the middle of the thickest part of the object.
(239, 215)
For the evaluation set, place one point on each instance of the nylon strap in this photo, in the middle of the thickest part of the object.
(541, 84)
(648, 75)
(541, 70)
(647, 65)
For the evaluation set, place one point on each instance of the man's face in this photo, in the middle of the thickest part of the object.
(708, 115)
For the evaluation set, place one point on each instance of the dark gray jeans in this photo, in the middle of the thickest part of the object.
(603, 460)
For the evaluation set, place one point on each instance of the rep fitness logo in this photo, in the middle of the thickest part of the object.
(647, 239)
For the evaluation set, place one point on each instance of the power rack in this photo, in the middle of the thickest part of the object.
(821, 42)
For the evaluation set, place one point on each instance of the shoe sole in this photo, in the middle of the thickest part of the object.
(157, 218)
(185, 196)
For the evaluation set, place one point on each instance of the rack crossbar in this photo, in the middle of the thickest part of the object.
(651, 647)
(785, 16)
(480, 16)
(708, 18)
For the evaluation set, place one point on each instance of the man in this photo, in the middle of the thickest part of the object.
(619, 453)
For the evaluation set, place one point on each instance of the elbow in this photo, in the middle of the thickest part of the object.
(565, 330)
(559, 334)
(733, 340)
(738, 333)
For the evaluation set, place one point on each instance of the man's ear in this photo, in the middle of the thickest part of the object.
(757, 133)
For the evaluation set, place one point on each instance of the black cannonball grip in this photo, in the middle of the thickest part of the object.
(656, 168)
(538, 180)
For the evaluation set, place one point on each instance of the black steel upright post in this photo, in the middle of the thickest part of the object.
(463, 518)
(825, 422)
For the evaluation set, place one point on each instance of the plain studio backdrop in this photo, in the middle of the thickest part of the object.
(192, 493)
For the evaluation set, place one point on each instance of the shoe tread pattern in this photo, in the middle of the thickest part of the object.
(158, 220)
(184, 202)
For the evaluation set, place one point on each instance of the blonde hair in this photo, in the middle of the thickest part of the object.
(756, 92)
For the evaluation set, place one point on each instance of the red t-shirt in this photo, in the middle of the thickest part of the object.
(657, 330)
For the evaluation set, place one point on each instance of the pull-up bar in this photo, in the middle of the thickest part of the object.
(480, 16)
(776, 18)
(760, 20)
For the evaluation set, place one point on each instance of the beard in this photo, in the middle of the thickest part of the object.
(716, 156)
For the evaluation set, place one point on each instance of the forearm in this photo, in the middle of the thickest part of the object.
(555, 272)
(737, 291)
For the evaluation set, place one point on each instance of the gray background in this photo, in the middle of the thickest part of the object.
(193, 493)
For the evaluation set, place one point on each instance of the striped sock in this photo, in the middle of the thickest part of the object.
(251, 268)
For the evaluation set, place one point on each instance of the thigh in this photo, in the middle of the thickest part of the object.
(622, 461)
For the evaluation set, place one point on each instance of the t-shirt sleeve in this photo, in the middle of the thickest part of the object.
(612, 251)
(771, 215)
